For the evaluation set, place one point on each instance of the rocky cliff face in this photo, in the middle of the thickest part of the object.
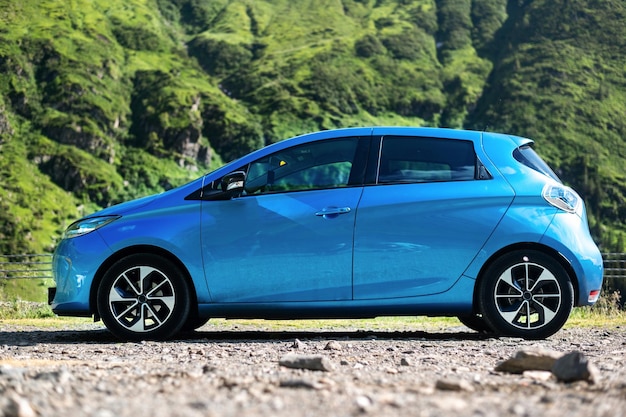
(102, 101)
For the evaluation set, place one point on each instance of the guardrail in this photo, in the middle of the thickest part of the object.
(40, 266)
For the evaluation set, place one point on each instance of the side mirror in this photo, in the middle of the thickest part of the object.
(233, 183)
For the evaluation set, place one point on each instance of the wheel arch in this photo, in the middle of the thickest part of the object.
(134, 250)
(556, 255)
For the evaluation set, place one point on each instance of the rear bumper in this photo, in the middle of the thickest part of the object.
(569, 234)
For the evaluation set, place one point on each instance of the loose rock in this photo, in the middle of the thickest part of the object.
(538, 375)
(299, 383)
(333, 345)
(454, 385)
(16, 406)
(311, 362)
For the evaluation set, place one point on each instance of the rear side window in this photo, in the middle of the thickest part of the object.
(527, 156)
(414, 159)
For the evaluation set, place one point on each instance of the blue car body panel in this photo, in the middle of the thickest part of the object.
(417, 239)
(357, 251)
(74, 265)
(283, 251)
(580, 252)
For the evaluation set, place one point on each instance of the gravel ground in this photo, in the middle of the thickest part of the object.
(228, 370)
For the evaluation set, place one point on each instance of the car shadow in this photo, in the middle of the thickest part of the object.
(102, 336)
(357, 335)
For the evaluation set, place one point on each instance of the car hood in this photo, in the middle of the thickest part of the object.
(126, 207)
(165, 198)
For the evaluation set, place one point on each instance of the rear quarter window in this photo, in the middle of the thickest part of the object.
(527, 156)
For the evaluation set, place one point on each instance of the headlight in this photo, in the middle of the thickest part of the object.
(562, 197)
(84, 226)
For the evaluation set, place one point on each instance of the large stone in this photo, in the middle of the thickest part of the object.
(529, 360)
(573, 367)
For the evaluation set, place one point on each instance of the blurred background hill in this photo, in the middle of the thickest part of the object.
(102, 101)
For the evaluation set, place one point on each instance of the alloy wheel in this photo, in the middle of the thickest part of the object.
(527, 295)
(142, 299)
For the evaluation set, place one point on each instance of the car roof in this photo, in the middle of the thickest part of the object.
(435, 132)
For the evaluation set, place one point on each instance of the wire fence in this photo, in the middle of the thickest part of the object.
(40, 266)
(29, 266)
(614, 265)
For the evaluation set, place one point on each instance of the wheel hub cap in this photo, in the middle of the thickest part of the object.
(142, 298)
(528, 295)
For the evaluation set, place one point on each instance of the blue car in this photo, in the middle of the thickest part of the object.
(347, 223)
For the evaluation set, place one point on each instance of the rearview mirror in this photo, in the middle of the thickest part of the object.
(233, 183)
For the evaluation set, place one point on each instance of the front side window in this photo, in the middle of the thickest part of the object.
(413, 159)
(317, 165)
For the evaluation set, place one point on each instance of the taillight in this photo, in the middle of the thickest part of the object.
(562, 197)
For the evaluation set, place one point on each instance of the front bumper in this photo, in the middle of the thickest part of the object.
(74, 267)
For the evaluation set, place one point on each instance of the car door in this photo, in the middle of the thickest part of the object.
(432, 207)
(289, 237)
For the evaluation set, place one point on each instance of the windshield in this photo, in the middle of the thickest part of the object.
(527, 156)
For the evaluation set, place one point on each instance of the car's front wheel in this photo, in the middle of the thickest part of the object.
(143, 297)
(475, 322)
(527, 294)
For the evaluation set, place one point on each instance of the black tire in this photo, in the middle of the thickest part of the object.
(526, 294)
(475, 322)
(193, 323)
(143, 297)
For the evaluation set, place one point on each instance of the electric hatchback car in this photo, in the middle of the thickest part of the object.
(348, 223)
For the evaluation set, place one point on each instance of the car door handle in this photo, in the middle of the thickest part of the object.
(333, 211)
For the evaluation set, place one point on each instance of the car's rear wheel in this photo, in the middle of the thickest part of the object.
(143, 297)
(527, 294)
(194, 323)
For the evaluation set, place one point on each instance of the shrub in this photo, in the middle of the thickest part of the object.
(368, 46)
(137, 38)
(218, 57)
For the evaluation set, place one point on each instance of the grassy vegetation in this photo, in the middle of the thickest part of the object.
(24, 310)
(606, 314)
(102, 101)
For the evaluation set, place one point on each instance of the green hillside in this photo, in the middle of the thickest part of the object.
(106, 100)
(559, 78)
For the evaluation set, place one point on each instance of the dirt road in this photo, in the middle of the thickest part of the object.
(225, 371)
